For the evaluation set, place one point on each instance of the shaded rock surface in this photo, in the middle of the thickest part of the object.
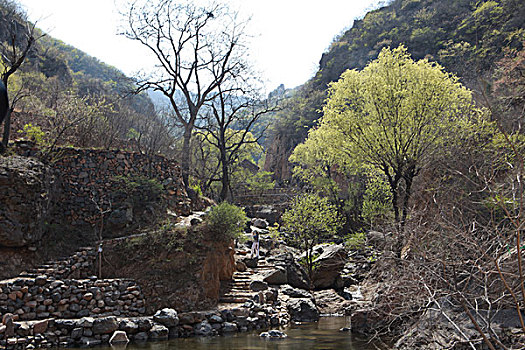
(302, 310)
(329, 265)
(26, 185)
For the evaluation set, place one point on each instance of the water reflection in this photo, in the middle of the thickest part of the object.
(321, 335)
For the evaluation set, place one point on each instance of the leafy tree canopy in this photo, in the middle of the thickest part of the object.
(392, 116)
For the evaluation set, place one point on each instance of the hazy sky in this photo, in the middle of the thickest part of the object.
(289, 35)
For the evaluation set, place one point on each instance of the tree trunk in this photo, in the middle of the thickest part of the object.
(7, 129)
(185, 158)
(225, 179)
(408, 183)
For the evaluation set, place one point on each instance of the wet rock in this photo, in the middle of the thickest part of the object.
(158, 332)
(302, 310)
(128, 326)
(191, 317)
(216, 319)
(273, 334)
(229, 327)
(227, 315)
(140, 337)
(203, 329)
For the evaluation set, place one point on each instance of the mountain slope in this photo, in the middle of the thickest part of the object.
(467, 38)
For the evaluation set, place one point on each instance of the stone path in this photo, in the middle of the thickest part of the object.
(237, 290)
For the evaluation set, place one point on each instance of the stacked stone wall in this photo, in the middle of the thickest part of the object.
(87, 180)
(79, 265)
(43, 297)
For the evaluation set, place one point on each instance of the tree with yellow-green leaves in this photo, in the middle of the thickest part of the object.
(392, 117)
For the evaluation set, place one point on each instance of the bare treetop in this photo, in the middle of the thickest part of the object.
(198, 49)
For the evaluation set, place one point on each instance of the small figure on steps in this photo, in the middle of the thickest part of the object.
(255, 244)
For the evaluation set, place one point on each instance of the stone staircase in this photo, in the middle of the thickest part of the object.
(80, 264)
(237, 290)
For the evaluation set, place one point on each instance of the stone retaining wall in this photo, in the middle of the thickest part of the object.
(43, 297)
(88, 176)
(165, 324)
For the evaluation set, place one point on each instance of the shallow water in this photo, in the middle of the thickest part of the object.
(319, 335)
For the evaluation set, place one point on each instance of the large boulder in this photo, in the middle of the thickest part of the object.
(295, 292)
(105, 325)
(329, 302)
(266, 212)
(26, 189)
(297, 276)
(260, 223)
(120, 218)
(302, 310)
(279, 275)
(167, 317)
(328, 266)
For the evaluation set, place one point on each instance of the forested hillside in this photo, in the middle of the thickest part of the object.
(61, 95)
(469, 38)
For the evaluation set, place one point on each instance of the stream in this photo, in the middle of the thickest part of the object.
(324, 334)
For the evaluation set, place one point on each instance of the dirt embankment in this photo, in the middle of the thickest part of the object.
(177, 268)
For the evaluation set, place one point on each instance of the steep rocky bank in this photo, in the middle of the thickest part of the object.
(179, 268)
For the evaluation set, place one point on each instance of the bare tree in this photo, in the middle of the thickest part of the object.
(197, 48)
(230, 121)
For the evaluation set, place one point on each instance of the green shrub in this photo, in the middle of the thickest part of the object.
(227, 220)
(34, 133)
(355, 240)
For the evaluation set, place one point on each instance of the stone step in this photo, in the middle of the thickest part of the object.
(233, 300)
(238, 286)
(241, 290)
(238, 295)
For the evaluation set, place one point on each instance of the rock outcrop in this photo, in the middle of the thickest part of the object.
(328, 266)
(26, 187)
(302, 310)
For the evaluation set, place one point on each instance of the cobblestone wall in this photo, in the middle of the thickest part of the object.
(43, 297)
